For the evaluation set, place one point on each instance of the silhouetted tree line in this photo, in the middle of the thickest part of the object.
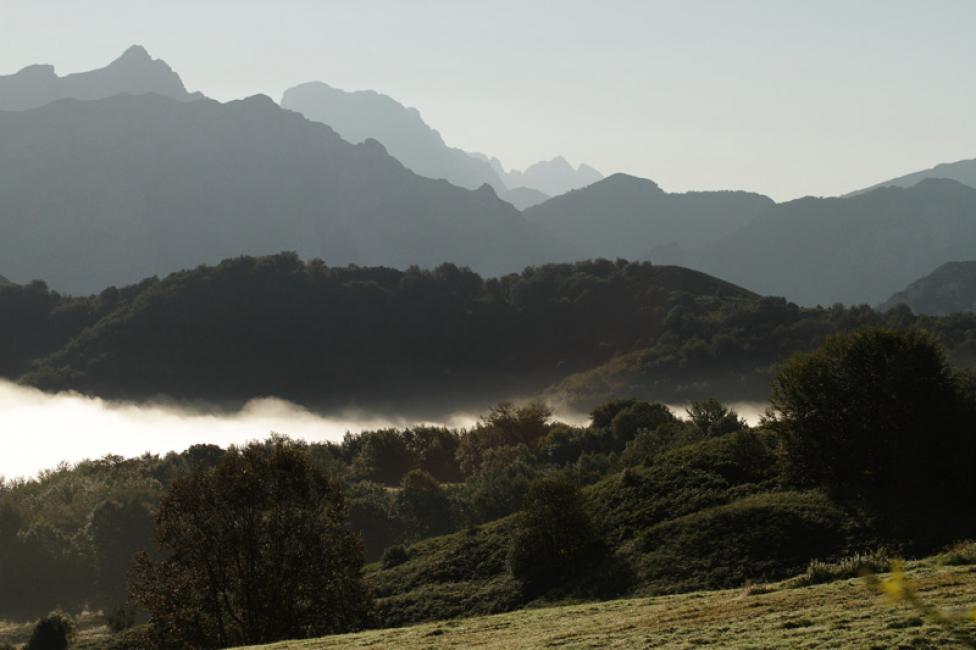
(322, 335)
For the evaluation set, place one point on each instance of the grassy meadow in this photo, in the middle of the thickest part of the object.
(840, 614)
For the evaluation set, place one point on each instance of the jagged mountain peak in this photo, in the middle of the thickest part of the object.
(135, 72)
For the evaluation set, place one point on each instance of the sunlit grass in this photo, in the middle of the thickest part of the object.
(843, 613)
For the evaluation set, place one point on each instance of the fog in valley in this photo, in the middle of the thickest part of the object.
(40, 430)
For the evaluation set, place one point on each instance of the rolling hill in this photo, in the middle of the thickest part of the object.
(339, 336)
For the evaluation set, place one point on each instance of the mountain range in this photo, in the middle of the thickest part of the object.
(135, 72)
(551, 177)
(116, 174)
(963, 171)
(854, 250)
(106, 192)
(360, 115)
(632, 218)
(949, 289)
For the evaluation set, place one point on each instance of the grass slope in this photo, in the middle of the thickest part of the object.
(840, 614)
(668, 527)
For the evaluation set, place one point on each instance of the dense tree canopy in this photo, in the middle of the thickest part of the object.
(258, 551)
(425, 340)
(879, 411)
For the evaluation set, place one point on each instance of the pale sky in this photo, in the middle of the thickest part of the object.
(784, 97)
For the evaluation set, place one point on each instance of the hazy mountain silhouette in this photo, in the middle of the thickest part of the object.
(963, 171)
(551, 177)
(859, 249)
(633, 218)
(135, 72)
(110, 191)
(358, 116)
(4, 281)
(523, 197)
(949, 289)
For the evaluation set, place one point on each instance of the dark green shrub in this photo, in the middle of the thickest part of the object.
(500, 486)
(423, 507)
(602, 416)
(394, 556)
(55, 631)
(640, 416)
(554, 538)
(712, 418)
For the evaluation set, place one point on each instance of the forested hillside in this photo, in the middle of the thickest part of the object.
(430, 342)
(337, 335)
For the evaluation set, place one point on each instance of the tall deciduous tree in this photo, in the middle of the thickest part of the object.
(878, 412)
(259, 552)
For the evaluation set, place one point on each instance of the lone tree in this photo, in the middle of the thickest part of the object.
(258, 551)
(878, 413)
(555, 538)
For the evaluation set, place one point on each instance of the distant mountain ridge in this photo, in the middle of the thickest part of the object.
(551, 177)
(135, 72)
(364, 114)
(523, 197)
(949, 289)
(632, 218)
(361, 115)
(854, 250)
(963, 171)
(106, 192)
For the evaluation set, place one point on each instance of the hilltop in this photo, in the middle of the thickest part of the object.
(949, 289)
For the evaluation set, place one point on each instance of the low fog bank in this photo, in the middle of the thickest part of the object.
(40, 430)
